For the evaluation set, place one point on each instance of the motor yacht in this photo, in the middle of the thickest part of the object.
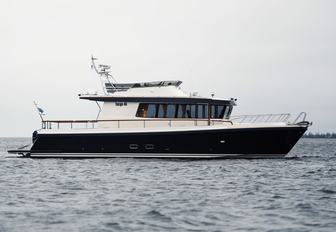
(159, 120)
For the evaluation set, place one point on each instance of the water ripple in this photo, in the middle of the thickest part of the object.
(293, 194)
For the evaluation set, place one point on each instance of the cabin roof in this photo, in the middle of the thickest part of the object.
(167, 100)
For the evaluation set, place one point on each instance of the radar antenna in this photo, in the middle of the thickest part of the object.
(103, 70)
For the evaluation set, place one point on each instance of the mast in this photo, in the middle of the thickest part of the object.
(103, 71)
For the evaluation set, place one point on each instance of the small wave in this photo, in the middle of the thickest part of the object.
(303, 206)
(223, 169)
(328, 191)
(113, 225)
(277, 197)
(157, 215)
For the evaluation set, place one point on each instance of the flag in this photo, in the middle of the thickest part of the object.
(39, 109)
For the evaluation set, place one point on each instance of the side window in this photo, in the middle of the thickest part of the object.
(171, 111)
(229, 113)
(162, 113)
(221, 111)
(188, 111)
(213, 111)
(181, 111)
(193, 111)
(142, 110)
(200, 111)
(146, 110)
(156, 110)
(151, 111)
(205, 110)
(226, 112)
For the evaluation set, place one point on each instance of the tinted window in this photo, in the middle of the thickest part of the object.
(226, 112)
(193, 111)
(202, 111)
(229, 113)
(146, 110)
(171, 111)
(220, 111)
(142, 110)
(162, 111)
(213, 111)
(188, 111)
(181, 111)
(151, 112)
(217, 111)
(199, 111)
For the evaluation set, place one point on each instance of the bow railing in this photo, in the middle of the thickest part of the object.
(261, 118)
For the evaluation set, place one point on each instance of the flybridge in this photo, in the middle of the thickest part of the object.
(165, 92)
(111, 86)
(116, 87)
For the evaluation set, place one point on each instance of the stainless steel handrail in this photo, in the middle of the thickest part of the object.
(48, 124)
(261, 118)
(302, 115)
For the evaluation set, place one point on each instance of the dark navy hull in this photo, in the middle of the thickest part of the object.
(210, 143)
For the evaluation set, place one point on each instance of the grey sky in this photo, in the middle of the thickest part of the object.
(274, 56)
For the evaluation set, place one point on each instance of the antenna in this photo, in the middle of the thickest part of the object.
(103, 70)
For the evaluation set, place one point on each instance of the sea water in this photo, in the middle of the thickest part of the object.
(296, 193)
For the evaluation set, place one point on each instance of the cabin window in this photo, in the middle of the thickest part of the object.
(162, 111)
(190, 111)
(181, 111)
(217, 111)
(171, 111)
(142, 110)
(213, 111)
(201, 111)
(198, 112)
(220, 111)
(227, 112)
(151, 112)
(205, 111)
(146, 110)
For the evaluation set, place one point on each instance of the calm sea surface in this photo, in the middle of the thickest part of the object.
(297, 193)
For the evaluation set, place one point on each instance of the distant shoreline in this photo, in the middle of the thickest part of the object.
(320, 136)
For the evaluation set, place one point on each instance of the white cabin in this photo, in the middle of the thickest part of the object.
(157, 104)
